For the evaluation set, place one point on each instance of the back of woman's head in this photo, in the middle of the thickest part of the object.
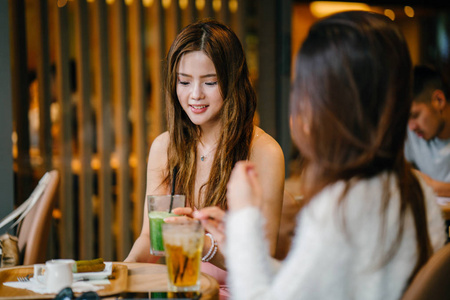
(350, 106)
(351, 95)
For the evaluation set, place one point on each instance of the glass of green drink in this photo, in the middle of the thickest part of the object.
(159, 208)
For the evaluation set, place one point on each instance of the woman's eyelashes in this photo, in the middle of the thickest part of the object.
(208, 83)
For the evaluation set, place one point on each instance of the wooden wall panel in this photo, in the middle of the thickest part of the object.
(154, 55)
(103, 108)
(188, 14)
(85, 133)
(138, 108)
(43, 77)
(20, 104)
(122, 130)
(224, 14)
(64, 99)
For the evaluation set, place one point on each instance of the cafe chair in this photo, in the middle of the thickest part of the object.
(34, 229)
(432, 280)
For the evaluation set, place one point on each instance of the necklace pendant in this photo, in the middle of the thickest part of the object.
(202, 158)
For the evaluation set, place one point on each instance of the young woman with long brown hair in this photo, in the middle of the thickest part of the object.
(369, 223)
(210, 109)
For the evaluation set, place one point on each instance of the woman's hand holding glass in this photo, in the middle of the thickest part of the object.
(184, 214)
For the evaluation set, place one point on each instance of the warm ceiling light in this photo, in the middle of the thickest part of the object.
(165, 4)
(200, 4)
(217, 5)
(109, 1)
(61, 3)
(128, 2)
(321, 9)
(233, 6)
(390, 14)
(147, 3)
(409, 11)
(183, 4)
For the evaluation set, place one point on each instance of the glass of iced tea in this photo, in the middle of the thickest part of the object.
(183, 243)
(159, 208)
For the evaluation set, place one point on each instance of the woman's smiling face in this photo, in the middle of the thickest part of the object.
(198, 90)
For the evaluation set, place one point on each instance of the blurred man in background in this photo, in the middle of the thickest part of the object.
(428, 143)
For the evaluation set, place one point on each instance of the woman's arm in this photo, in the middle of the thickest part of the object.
(268, 160)
(441, 188)
(156, 168)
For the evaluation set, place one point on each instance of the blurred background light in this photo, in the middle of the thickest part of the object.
(61, 3)
(217, 5)
(200, 4)
(147, 3)
(389, 13)
(321, 9)
(183, 4)
(409, 11)
(233, 6)
(165, 3)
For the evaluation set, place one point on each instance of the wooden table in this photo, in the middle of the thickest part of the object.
(145, 278)
(141, 278)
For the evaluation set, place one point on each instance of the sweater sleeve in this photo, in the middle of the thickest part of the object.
(250, 266)
(312, 259)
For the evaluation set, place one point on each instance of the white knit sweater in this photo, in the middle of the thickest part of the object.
(327, 261)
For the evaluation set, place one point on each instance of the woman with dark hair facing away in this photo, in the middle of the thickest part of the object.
(210, 106)
(369, 223)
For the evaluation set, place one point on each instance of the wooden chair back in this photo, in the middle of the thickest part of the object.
(34, 229)
(432, 281)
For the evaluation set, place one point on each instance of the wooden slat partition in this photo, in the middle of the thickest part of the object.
(138, 107)
(208, 11)
(85, 133)
(268, 68)
(66, 199)
(189, 14)
(158, 14)
(174, 18)
(116, 110)
(20, 96)
(43, 77)
(121, 94)
(238, 21)
(155, 55)
(103, 109)
(224, 14)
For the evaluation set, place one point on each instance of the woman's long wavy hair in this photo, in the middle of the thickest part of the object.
(223, 47)
(350, 105)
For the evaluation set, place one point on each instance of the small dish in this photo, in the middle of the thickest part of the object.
(94, 275)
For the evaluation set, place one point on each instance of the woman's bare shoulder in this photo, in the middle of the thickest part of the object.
(160, 143)
(263, 144)
(158, 150)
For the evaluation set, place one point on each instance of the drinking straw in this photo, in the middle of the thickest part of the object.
(174, 177)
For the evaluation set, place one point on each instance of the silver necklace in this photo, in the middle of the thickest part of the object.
(205, 156)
